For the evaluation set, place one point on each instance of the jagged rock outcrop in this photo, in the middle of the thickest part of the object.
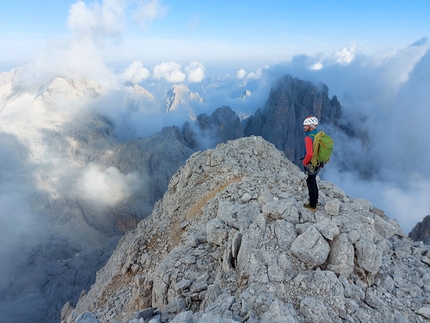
(180, 94)
(137, 89)
(231, 242)
(222, 125)
(421, 231)
(291, 100)
(208, 131)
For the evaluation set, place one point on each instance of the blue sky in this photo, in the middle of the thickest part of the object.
(236, 34)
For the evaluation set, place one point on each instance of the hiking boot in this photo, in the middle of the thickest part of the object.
(309, 207)
(308, 203)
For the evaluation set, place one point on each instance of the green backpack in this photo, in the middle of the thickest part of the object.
(322, 149)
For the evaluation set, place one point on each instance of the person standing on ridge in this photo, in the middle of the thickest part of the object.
(309, 125)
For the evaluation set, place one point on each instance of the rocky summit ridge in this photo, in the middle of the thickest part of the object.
(230, 242)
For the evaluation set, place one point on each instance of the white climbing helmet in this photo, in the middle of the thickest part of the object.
(310, 121)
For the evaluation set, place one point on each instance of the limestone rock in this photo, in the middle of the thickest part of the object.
(332, 207)
(341, 257)
(205, 254)
(368, 256)
(314, 311)
(425, 312)
(279, 312)
(311, 247)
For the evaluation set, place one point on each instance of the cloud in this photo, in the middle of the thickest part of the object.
(243, 75)
(148, 10)
(420, 42)
(409, 204)
(317, 66)
(169, 71)
(196, 72)
(71, 58)
(105, 187)
(257, 74)
(345, 56)
(93, 26)
(96, 21)
(23, 226)
(135, 73)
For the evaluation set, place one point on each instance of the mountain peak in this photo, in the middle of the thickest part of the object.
(178, 95)
(230, 242)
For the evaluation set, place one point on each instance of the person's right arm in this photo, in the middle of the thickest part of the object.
(308, 146)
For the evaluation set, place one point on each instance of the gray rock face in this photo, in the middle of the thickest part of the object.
(155, 159)
(421, 231)
(231, 242)
(221, 126)
(208, 131)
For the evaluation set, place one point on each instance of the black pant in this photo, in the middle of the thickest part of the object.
(311, 181)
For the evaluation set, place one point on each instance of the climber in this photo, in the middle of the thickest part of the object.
(309, 125)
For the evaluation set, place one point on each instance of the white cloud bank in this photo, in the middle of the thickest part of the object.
(105, 187)
(135, 73)
(243, 75)
(169, 71)
(392, 94)
(196, 72)
(96, 21)
(100, 22)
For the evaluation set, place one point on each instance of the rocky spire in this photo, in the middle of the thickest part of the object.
(421, 231)
(231, 242)
(281, 121)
